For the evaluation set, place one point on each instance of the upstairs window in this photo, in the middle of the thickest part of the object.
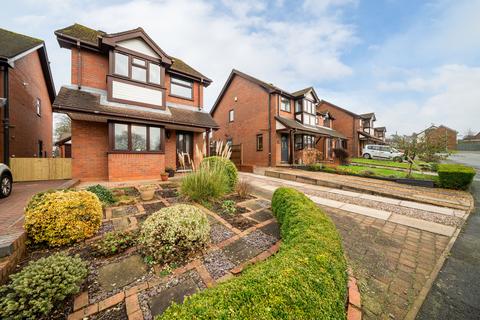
(298, 106)
(38, 106)
(181, 88)
(260, 142)
(326, 122)
(285, 104)
(231, 115)
(308, 106)
(136, 69)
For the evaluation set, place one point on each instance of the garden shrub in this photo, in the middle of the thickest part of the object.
(367, 173)
(172, 233)
(62, 217)
(243, 188)
(104, 194)
(315, 167)
(306, 279)
(113, 243)
(455, 176)
(227, 165)
(209, 182)
(342, 155)
(229, 207)
(36, 289)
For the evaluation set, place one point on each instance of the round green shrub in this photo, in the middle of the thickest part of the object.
(172, 233)
(41, 285)
(62, 217)
(104, 194)
(229, 167)
(306, 279)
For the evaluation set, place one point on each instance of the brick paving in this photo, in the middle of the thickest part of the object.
(392, 262)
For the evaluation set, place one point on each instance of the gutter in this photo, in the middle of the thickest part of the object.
(6, 117)
(79, 66)
(269, 129)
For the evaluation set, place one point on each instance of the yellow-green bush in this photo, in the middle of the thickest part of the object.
(62, 217)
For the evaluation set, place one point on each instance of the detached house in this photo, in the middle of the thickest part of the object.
(26, 96)
(443, 135)
(359, 129)
(273, 126)
(135, 109)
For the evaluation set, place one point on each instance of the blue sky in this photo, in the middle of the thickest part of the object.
(414, 63)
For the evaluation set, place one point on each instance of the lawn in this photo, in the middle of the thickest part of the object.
(386, 163)
(378, 172)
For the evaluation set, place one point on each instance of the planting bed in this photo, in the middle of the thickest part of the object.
(126, 285)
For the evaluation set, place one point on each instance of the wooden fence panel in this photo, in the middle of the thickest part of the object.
(35, 169)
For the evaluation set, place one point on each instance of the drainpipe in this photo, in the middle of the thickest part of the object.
(269, 130)
(79, 66)
(6, 118)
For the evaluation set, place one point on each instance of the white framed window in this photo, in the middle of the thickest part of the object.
(285, 104)
(38, 107)
(121, 64)
(154, 73)
(231, 115)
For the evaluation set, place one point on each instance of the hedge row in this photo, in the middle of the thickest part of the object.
(455, 176)
(306, 279)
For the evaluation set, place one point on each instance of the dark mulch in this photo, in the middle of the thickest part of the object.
(129, 191)
(153, 207)
(238, 221)
(117, 312)
(167, 193)
(217, 208)
(235, 197)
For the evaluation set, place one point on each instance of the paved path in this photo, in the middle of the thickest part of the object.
(394, 260)
(456, 291)
(11, 208)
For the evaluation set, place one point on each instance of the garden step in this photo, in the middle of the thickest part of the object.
(7, 243)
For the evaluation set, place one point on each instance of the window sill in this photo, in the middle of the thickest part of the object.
(134, 152)
(179, 97)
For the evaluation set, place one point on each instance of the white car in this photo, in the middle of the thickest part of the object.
(6, 181)
(382, 152)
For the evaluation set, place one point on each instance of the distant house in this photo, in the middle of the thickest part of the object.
(135, 109)
(443, 135)
(27, 92)
(475, 137)
(64, 146)
(274, 126)
(359, 129)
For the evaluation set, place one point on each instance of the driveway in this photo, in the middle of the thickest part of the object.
(11, 208)
(456, 292)
(394, 246)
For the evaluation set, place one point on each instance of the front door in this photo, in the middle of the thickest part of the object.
(284, 147)
(184, 150)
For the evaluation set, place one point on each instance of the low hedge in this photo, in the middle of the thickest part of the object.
(306, 279)
(455, 176)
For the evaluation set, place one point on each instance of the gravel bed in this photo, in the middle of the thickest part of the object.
(219, 233)
(107, 226)
(217, 264)
(117, 312)
(144, 296)
(260, 240)
(410, 212)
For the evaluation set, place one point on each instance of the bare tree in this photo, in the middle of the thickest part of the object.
(63, 126)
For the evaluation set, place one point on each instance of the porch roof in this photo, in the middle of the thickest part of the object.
(367, 136)
(71, 100)
(292, 124)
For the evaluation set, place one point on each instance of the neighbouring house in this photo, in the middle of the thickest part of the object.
(64, 146)
(273, 126)
(443, 135)
(359, 129)
(474, 137)
(135, 109)
(469, 143)
(27, 92)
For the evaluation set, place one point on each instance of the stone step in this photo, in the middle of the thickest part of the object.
(8, 242)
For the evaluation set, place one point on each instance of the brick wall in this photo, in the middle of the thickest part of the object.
(444, 136)
(251, 118)
(89, 150)
(171, 149)
(27, 82)
(133, 166)
(94, 68)
(346, 124)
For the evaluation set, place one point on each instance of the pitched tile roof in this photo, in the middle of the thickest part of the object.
(291, 123)
(12, 44)
(91, 36)
(302, 92)
(367, 115)
(73, 100)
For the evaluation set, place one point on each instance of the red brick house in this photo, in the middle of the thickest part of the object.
(273, 126)
(440, 134)
(27, 92)
(359, 129)
(135, 109)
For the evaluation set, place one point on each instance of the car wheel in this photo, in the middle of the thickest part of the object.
(367, 156)
(5, 186)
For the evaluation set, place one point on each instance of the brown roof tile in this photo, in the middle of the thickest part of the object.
(73, 100)
(12, 44)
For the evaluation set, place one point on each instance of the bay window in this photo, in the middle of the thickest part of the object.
(181, 88)
(136, 138)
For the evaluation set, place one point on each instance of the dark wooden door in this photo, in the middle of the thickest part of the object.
(284, 147)
(184, 149)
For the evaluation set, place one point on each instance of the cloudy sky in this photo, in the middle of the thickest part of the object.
(412, 62)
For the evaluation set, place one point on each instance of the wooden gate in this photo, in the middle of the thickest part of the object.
(237, 154)
(34, 169)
